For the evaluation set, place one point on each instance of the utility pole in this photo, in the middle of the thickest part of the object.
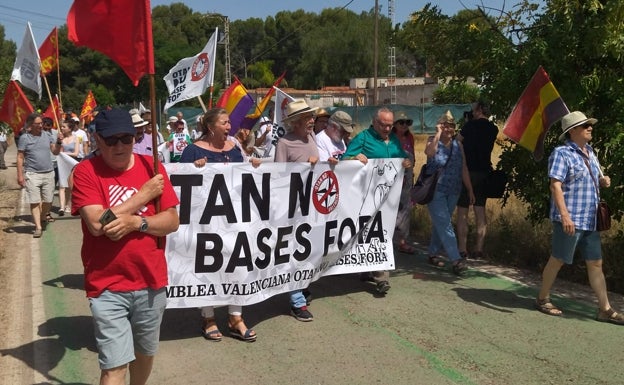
(376, 52)
(226, 43)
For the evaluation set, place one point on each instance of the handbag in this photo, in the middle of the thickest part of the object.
(603, 212)
(495, 183)
(603, 216)
(424, 188)
(422, 191)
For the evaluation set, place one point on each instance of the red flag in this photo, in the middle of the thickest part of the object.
(52, 108)
(88, 106)
(237, 103)
(15, 107)
(48, 53)
(120, 29)
(539, 107)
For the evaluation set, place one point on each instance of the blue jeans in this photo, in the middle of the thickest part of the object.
(442, 232)
(297, 299)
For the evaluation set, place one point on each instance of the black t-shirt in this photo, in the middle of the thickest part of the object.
(479, 136)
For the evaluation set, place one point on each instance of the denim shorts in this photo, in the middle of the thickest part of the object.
(564, 245)
(125, 321)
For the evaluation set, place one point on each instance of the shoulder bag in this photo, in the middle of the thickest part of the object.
(424, 188)
(603, 212)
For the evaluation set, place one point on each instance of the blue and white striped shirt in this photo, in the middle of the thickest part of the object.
(567, 164)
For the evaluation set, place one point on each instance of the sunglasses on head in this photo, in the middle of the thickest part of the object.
(112, 140)
(404, 121)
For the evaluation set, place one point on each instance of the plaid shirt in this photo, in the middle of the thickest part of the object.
(567, 164)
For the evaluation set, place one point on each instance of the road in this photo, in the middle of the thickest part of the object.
(432, 328)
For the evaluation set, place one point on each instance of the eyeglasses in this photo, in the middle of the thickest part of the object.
(404, 121)
(586, 125)
(112, 140)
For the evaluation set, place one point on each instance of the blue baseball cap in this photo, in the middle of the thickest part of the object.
(113, 122)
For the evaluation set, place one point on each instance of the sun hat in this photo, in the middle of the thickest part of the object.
(138, 122)
(574, 119)
(402, 116)
(321, 112)
(113, 122)
(447, 118)
(297, 108)
(173, 119)
(342, 119)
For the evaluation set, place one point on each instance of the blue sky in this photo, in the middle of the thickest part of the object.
(45, 14)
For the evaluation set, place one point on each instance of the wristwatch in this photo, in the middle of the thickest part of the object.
(144, 226)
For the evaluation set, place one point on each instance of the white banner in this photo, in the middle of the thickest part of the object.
(65, 166)
(192, 75)
(247, 234)
(27, 67)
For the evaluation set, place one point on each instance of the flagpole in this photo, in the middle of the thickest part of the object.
(201, 103)
(58, 73)
(56, 122)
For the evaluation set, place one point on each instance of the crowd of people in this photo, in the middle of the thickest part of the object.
(125, 269)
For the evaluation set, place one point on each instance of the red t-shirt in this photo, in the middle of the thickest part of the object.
(134, 262)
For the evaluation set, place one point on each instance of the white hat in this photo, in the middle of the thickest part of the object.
(138, 122)
(574, 119)
(173, 119)
(297, 108)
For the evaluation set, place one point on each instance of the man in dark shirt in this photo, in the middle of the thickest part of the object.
(478, 136)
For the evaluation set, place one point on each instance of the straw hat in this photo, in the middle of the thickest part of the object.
(138, 122)
(447, 118)
(297, 108)
(574, 119)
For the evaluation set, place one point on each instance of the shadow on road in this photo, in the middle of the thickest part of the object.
(74, 333)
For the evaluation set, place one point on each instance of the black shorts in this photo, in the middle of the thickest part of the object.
(477, 178)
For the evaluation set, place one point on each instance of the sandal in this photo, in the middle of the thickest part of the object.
(248, 336)
(459, 267)
(211, 335)
(546, 307)
(610, 316)
(436, 261)
(48, 218)
(406, 248)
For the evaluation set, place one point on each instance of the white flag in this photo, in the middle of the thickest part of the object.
(281, 101)
(27, 67)
(192, 75)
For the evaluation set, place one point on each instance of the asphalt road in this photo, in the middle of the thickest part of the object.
(432, 328)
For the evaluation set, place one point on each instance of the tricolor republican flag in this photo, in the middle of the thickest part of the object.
(539, 107)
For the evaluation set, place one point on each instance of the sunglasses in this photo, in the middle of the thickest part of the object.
(403, 121)
(112, 140)
(586, 125)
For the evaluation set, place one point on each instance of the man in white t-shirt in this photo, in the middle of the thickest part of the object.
(330, 141)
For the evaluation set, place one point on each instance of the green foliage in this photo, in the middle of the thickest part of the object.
(7, 58)
(456, 92)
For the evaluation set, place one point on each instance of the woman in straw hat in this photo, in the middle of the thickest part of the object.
(443, 150)
(214, 146)
(575, 181)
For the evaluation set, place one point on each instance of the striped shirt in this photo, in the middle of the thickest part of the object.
(567, 164)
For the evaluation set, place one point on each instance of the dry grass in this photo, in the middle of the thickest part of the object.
(513, 240)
